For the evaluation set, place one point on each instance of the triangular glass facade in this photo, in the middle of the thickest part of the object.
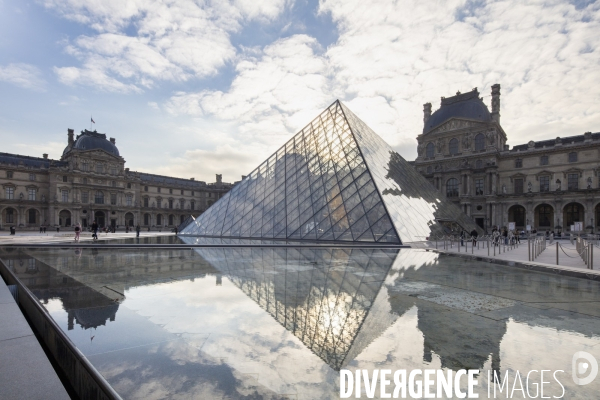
(335, 180)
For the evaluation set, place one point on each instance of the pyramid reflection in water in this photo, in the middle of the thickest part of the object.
(336, 180)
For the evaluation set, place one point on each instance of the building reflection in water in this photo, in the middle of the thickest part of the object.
(336, 301)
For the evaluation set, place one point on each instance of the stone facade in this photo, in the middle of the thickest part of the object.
(548, 184)
(90, 182)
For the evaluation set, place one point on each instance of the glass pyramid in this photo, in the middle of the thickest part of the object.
(335, 180)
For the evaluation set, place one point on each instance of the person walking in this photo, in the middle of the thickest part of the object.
(137, 230)
(77, 232)
(95, 230)
(474, 235)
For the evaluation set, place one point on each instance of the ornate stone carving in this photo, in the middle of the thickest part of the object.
(420, 149)
(467, 139)
(441, 145)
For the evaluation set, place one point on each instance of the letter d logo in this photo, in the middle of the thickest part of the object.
(580, 367)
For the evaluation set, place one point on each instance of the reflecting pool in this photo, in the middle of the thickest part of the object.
(278, 323)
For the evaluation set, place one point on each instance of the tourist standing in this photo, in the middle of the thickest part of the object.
(77, 232)
(95, 230)
(137, 230)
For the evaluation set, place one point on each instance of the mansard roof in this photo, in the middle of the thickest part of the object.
(27, 161)
(466, 105)
(552, 142)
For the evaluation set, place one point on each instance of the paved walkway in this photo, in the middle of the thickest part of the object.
(69, 237)
(567, 256)
(25, 372)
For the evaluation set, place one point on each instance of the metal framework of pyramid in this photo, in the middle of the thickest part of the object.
(335, 180)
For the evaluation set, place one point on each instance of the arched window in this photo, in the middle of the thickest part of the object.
(573, 213)
(429, 150)
(146, 219)
(452, 187)
(453, 146)
(10, 216)
(479, 142)
(31, 219)
(170, 219)
(159, 220)
(99, 197)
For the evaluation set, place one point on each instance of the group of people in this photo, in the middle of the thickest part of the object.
(506, 236)
(95, 227)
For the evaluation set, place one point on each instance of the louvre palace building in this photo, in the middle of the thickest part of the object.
(90, 182)
(547, 185)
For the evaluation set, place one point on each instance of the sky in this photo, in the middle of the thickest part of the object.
(193, 88)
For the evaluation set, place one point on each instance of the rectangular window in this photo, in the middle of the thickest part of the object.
(65, 178)
(113, 170)
(181, 191)
(573, 157)
(128, 185)
(573, 181)
(544, 183)
(85, 197)
(113, 183)
(85, 166)
(170, 203)
(145, 188)
(519, 186)
(10, 193)
(518, 163)
(192, 204)
(31, 194)
(479, 187)
(192, 192)
(158, 190)
(145, 202)
(544, 160)
(65, 195)
(158, 203)
(99, 168)
(9, 174)
(170, 191)
(113, 199)
(32, 177)
(10, 216)
(129, 200)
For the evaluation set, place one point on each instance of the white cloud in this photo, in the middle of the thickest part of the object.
(24, 75)
(173, 40)
(273, 95)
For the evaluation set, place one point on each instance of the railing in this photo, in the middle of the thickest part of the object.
(585, 249)
(494, 244)
(537, 244)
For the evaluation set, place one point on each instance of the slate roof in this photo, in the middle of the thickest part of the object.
(552, 142)
(466, 105)
(27, 161)
(167, 180)
(89, 140)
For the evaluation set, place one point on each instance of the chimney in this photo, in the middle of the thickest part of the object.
(426, 112)
(112, 140)
(496, 103)
(70, 134)
(126, 169)
(219, 178)
(45, 155)
(243, 177)
(192, 179)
